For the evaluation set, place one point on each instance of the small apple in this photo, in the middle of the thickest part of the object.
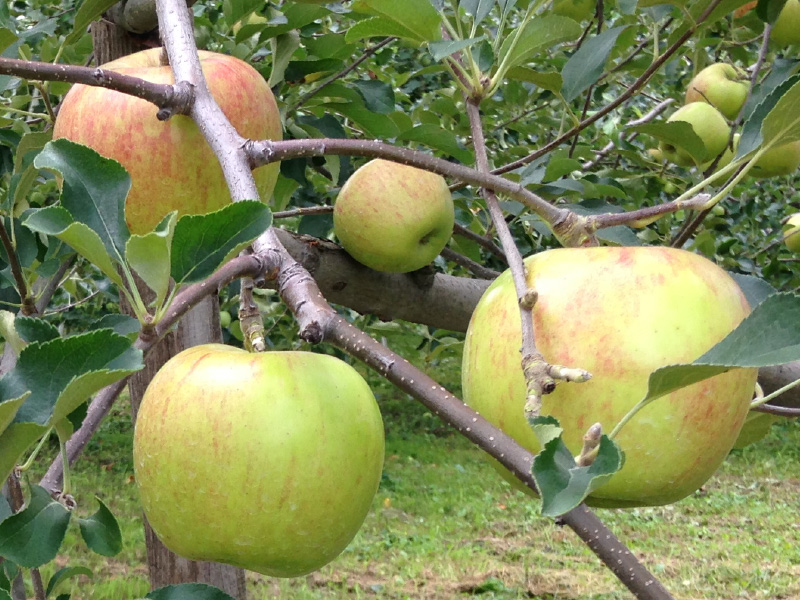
(171, 165)
(721, 86)
(224, 319)
(791, 233)
(392, 217)
(783, 160)
(786, 30)
(619, 313)
(709, 125)
(266, 461)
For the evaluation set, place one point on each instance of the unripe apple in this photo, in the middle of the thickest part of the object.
(791, 233)
(265, 461)
(392, 217)
(786, 30)
(709, 125)
(619, 313)
(171, 165)
(721, 86)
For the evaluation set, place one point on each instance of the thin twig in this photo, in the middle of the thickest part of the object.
(479, 239)
(476, 269)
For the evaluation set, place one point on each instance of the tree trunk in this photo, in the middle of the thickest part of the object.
(200, 325)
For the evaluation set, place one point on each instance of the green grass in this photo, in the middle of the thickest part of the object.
(444, 525)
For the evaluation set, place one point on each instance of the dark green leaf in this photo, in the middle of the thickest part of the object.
(235, 10)
(203, 243)
(4, 595)
(188, 591)
(63, 575)
(296, 16)
(33, 536)
(440, 50)
(14, 441)
(546, 81)
(768, 10)
(585, 66)
(101, 532)
(378, 96)
(32, 329)
(782, 124)
(5, 509)
(438, 138)
(755, 289)
(88, 12)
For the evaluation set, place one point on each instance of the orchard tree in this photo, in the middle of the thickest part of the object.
(617, 371)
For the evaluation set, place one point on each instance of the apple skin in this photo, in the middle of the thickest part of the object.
(264, 461)
(709, 125)
(786, 30)
(719, 85)
(171, 165)
(791, 233)
(620, 313)
(392, 217)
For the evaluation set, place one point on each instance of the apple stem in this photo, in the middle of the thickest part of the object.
(760, 399)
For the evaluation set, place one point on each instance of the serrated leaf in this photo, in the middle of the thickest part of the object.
(676, 133)
(188, 591)
(202, 243)
(538, 35)
(585, 66)
(419, 17)
(563, 484)
(443, 49)
(378, 96)
(149, 256)
(14, 441)
(33, 536)
(782, 124)
(65, 574)
(121, 324)
(58, 222)
(88, 12)
(755, 289)
(752, 135)
(101, 531)
(94, 191)
(32, 329)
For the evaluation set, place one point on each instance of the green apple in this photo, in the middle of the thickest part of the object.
(265, 461)
(392, 217)
(791, 233)
(786, 30)
(721, 86)
(709, 125)
(619, 313)
(783, 160)
(171, 165)
(578, 10)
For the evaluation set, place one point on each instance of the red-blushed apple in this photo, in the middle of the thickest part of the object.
(709, 125)
(392, 217)
(786, 30)
(266, 461)
(620, 313)
(721, 86)
(171, 165)
(791, 233)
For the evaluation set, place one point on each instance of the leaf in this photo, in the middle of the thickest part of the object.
(9, 331)
(283, 47)
(295, 16)
(14, 441)
(443, 49)
(94, 190)
(562, 484)
(438, 138)
(88, 12)
(768, 10)
(63, 575)
(538, 34)
(782, 124)
(202, 243)
(33, 536)
(149, 256)
(379, 27)
(676, 133)
(546, 81)
(101, 531)
(378, 96)
(188, 591)
(419, 17)
(5, 509)
(32, 329)
(7, 37)
(755, 289)
(30, 142)
(8, 410)
(235, 10)
(121, 324)
(477, 9)
(57, 221)
(752, 135)
(585, 66)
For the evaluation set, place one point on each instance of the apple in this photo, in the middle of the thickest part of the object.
(709, 125)
(791, 233)
(265, 461)
(786, 30)
(392, 217)
(721, 86)
(783, 160)
(620, 313)
(171, 165)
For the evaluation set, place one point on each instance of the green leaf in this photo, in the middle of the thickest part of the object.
(443, 49)
(4, 595)
(202, 243)
(538, 34)
(676, 133)
(562, 484)
(782, 124)
(32, 329)
(8, 410)
(585, 66)
(477, 9)
(33, 536)
(379, 27)
(188, 591)
(438, 138)
(88, 12)
(5, 510)
(295, 16)
(751, 130)
(149, 256)
(8, 330)
(7, 37)
(768, 10)
(283, 47)
(14, 441)
(121, 324)
(419, 17)
(755, 289)
(101, 532)
(94, 192)
(378, 96)
(57, 221)
(235, 10)
(30, 142)
(63, 575)
(546, 81)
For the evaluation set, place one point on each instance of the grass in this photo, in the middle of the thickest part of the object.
(444, 525)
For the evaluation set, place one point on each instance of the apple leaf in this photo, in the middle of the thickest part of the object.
(8, 331)
(676, 133)
(235, 10)
(295, 16)
(477, 9)
(585, 66)
(563, 484)
(379, 27)
(33, 536)
(63, 575)
(755, 289)
(188, 591)
(88, 12)
(768, 10)
(752, 130)
(438, 138)
(14, 441)
(32, 329)
(4, 595)
(202, 243)
(443, 49)
(378, 96)
(121, 324)
(782, 124)
(94, 192)
(538, 34)
(101, 531)
(149, 256)
(57, 221)
(5, 509)
(550, 81)
(8, 410)
(418, 17)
